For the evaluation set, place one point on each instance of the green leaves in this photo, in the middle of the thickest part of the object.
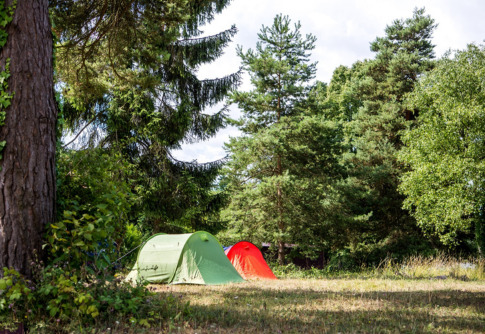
(6, 16)
(94, 201)
(445, 148)
(15, 296)
(368, 100)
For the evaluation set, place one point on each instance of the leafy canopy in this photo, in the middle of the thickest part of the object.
(445, 148)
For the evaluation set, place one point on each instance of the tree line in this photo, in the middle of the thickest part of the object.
(384, 159)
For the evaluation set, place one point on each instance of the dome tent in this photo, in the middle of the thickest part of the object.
(193, 258)
(248, 261)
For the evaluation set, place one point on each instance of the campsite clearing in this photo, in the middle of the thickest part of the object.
(328, 306)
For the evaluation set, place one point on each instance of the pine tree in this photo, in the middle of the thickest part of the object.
(278, 170)
(28, 175)
(379, 87)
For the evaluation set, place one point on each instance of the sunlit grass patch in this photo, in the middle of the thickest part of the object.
(437, 267)
(332, 305)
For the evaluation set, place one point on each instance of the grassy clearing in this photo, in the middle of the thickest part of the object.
(329, 305)
(419, 295)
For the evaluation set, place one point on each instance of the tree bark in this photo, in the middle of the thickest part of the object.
(281, 252)
(279, 194)
(27, 176)
(279, 206)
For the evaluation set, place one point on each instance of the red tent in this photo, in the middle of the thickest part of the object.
(248, 261)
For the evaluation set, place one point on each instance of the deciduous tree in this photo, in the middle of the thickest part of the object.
(445, 149)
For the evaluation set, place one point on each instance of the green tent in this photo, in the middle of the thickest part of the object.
(194, 258)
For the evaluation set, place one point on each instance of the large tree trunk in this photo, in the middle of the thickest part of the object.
(27, 176)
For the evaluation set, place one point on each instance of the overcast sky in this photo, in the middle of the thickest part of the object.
(344, 29)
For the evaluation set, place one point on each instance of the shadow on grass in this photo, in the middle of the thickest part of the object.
(256, 310)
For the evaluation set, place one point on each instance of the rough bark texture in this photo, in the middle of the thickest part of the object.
(27, 176)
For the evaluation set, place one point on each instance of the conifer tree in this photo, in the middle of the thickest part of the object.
(27, 134)
(130, 83)
(278, 170)
(378, 88)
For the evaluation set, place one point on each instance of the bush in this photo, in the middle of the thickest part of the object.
(78, 285)
(16, 299)
(61, 301)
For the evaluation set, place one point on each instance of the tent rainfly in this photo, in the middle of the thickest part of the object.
(248, 261)
(194, 258)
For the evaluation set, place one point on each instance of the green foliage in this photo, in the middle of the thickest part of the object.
(5, 98)
(95, 200)
(307, 148)
(343, 260)
(445, 150)
(367, 100)
(15, 298)
(132, 239)
(76, 235)
(480, 232)
(61, 300)
(78, 285)
(134, 90)
(104, 300)
(280, 172)
(63, 294)
(83, 175)
(280, 74)
(6, 16)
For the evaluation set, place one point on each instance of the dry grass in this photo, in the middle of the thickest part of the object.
(438, 266)
(329, 306)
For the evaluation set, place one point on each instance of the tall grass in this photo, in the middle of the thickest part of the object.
(440, 266)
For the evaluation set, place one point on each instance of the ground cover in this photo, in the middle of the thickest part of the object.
(354, 305)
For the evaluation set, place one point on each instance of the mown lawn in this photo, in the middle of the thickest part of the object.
(328, 306)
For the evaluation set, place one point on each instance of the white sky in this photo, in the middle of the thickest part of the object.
(344, 30)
